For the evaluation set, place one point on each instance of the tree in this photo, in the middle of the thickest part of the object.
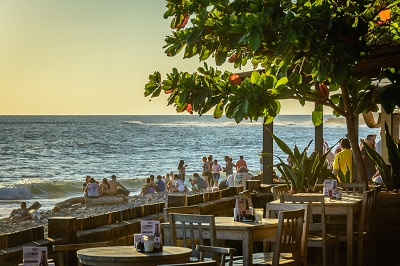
(306, 50)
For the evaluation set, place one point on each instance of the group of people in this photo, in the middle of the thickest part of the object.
(343, 158)
(207, 181)
(94, 189)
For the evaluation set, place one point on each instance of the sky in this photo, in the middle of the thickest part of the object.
(87, 57)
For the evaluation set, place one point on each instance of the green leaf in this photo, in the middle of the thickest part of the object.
(218, 111)
(194, 37)
(281, 83)
(255, 77)
(254, 40)
(317, 115)
(220, 57)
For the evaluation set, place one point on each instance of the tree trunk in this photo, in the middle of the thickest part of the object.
(352, 135)
(358, 160)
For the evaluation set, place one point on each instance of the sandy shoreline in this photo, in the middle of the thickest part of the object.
(75, 207)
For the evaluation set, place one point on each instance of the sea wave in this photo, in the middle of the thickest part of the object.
(61, 189)
(135, 122)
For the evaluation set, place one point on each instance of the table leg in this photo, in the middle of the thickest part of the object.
(247, 246)
(349, 237)
(167, 237)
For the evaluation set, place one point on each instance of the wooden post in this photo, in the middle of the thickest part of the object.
(63, 227)
(268, 148)
(177, 200)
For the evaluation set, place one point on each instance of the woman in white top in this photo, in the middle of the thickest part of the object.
(92, 189)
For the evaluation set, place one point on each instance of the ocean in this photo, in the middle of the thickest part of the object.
(46, 158)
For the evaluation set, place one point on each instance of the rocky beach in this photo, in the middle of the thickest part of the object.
(75, 207)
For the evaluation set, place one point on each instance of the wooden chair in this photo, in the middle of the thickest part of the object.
(288, 240)
(62, 249)
(279, 190)
(317, 233)
(222, 253)
(193, 209)
(272, 211)
(193, 230)
(353, 187)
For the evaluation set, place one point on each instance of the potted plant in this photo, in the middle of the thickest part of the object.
(390, 173)
(303, 171)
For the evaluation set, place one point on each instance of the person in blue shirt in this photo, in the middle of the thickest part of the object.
(160, 184)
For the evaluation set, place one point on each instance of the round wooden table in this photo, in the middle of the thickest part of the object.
(128, 255)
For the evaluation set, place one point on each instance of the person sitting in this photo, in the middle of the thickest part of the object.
(87, 179)
(149, 186)
(104, 187)
(116, 189)
(240, 178)
(178, 185)
(160, 184)
(198, 183)
(20, 213)
(92, 189)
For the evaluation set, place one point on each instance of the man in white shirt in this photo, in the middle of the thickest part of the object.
(240, 178)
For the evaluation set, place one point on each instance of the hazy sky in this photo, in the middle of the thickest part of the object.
(85, 57)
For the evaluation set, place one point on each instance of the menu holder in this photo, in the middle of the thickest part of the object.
(152, 228)
(243, 209)
(33, 256)
(330, 188)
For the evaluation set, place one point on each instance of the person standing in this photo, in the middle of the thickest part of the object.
(343, 160)
(216, 168)
(206, 172)
(229, 166)
(368, 162)
(182, 170)
(240, 163)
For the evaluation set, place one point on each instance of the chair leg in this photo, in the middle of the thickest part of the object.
(360, 249)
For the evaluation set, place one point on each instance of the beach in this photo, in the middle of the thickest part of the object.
(75, 207)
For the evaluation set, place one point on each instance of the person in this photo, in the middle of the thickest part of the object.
(240, 163)
(160, 184)
(206, 171)
(368, 162)
(87, 179)
(20, 213)
(216, 168)
(178, 185)
(343, 160)
(149, 186)
(104, 187)
(229, 166)
(182, 169)
(92, 189)
(240, 178)
(116, 188)
(198, 183)
(330, 156)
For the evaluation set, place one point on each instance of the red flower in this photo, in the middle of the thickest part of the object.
(189, 108)
(168, 91)
(235, 80)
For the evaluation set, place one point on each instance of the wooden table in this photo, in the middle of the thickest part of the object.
(247, 232)
(350, 206)
(127, 255)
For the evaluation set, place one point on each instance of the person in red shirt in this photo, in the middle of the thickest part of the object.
(240, 163)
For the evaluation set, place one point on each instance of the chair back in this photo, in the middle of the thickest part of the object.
(222, 253)
(192, 229)
(364, 224)
(273, 209)
(288, 235)
(193, 209)
(353, 187)
(279, 190)
(314, 226)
